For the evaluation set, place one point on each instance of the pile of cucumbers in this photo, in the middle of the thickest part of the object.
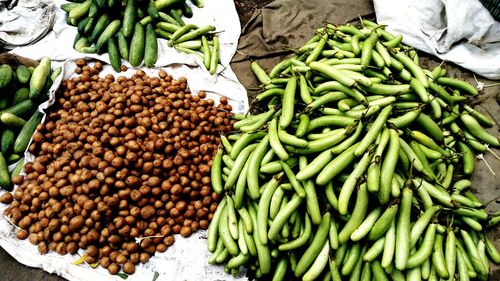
(359, 170)
(21, 91)
(129, 29)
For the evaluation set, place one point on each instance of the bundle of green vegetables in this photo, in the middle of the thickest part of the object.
(129, 30)
(359, 170)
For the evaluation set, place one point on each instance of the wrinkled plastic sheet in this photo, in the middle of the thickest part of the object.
(465, 34)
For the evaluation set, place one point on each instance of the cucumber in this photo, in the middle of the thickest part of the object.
(4, 102)
(102, 3)
(18, 168)
(13, 158)
(101, 24)
(109, 32)
(5, 75)
(82, 43)
(140, 13)
(4, 174)
(89, 26)
(151, 48)
(21, 108)
(93, 10)
(122, 45)
(162, 4)
(80, 11)
(152, 11)
(88, 50)
(67, 7)
(39, 77)
(26, 133)
(71, 21)
(56, 73)
(23, 74)
(12, 120)
(136, 54)
(20, 95)
(7, 141)
(114, 55)
(129, 18)
(82, 24)
(111, 3)
(77, 39)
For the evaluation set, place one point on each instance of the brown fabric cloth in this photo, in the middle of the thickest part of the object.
(15, 60)
(284, 24)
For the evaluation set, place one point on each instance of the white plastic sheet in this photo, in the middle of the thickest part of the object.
(462, 32)
(186, 259)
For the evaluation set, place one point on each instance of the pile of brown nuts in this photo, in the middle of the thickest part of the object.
(119, 159)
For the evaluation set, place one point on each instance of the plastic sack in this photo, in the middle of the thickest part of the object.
(460, 32)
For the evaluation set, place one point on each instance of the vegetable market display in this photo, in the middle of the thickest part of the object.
(359, 170)
(129, 30)
(121, 164)
(22, 90)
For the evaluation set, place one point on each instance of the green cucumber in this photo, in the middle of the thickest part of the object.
(152, 11)
(6, 74)
(12, 120)
(129, 18)
(23, 74)
(136, 54)
(39, 77)
(114, 55)
(20, 95)
(102, 3)
(93, 10)
(7, 141)
(4, 173)
(89, 26)
(26, 133)
(82, 24)
(80, 11)
(21, 108)
(151, 48)
(55, 74)
(122, 45)
(101, 24)
(13, 158)
(18, 168)
(4, 102)
(109, 32)
(67, 7)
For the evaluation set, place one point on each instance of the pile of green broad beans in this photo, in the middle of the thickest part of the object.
(129, 30)
(359, 170)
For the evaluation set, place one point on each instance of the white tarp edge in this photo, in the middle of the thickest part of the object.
(462, 32)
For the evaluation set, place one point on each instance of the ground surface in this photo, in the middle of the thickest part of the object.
(487, 186)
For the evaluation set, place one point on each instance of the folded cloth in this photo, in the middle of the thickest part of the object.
(26, 22)
(464, 34)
